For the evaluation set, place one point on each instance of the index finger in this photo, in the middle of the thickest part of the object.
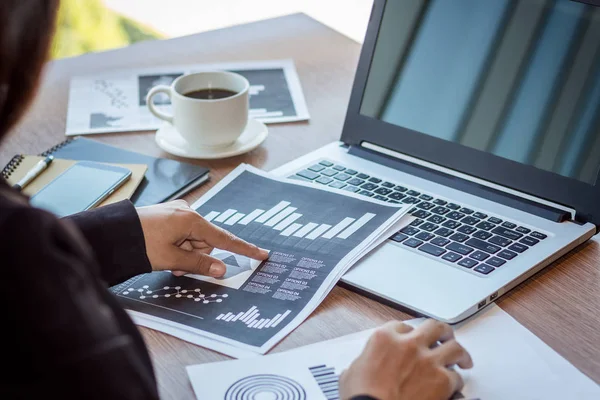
(224, 240)
(432, 331)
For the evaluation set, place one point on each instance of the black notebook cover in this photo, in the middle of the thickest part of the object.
(165, 179)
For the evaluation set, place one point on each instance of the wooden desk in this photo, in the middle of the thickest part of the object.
(560, 305)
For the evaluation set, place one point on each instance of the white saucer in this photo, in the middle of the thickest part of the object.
(171, 141)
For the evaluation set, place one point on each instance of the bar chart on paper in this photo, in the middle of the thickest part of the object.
(252, 319)
(284, 219)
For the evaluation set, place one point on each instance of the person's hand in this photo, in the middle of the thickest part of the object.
(402, 363)
(179, 239)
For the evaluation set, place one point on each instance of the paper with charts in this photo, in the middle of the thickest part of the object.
(314, 234)
(510, 363)
(115, 101)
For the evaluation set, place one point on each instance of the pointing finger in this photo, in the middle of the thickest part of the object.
(196, 262)
(222, 239)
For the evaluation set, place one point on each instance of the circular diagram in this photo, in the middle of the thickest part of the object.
(265, 387)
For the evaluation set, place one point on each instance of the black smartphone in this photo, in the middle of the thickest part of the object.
(80, 187)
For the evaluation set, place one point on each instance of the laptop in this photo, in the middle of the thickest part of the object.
(484, 116)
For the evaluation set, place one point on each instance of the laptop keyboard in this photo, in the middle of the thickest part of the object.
(470, 239)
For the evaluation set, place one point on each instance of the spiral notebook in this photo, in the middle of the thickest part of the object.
(165, 179)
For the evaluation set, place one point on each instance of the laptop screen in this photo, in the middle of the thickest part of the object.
(518, 79)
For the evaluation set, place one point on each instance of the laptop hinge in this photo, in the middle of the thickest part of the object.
(529, 206)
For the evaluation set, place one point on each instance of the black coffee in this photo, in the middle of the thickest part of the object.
(210, 94)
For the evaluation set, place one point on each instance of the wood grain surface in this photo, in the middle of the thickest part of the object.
(561, 305)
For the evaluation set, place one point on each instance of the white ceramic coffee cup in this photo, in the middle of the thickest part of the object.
(206, 123)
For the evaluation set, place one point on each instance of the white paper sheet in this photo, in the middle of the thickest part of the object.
(115, 101)
(510, 363)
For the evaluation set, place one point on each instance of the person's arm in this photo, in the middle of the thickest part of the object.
(115, 235)
(67, 334)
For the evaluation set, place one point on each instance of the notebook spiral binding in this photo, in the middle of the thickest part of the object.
(58, 146)
(11, 166)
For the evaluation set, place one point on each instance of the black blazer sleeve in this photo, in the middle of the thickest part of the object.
(67, 335)
(117, 240)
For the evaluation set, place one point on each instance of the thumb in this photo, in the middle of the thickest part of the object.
(196, 262)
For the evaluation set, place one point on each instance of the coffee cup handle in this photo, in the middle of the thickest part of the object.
(153, 109)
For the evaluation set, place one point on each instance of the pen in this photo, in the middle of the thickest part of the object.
(33, 172)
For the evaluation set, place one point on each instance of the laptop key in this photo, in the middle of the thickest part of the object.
(396, 196)
(440, 241)
(308, 174)
(374, 180)
(466, 229)
(329, 172)
(299, 178)
(326, 163)
(410, 200)
(500, 241)
(413, 193)
(409, 230)
(455, 215)
(518, 247)
(445, 232)
(509, 225)
(459, 248)
(380, 197)
(495, 262)
(337, 185)
(352, 189)
(436, 219)
(440, 210)
(421, 214)
(351, 172)
(495, 220)
(440, 202)
(467, 263)
(507, 254)
(479, 255)
(425, 205)
(416, 222)
(362, 176)
(483, 235)
(451, 224)
(481, 245)
(459, 237)
(369, 186)
(425, 236)
(429, 227)
(431, 249)
(529, 241)
(523, 230)
(399, 237)
(470, 220)
(383, 191)
(538, 235)
(486, 226)
(393, 201)
(484, 269)
(452, 257)
(338, 168)
(400, 188)
(324, 180)
(366, 193)
(480, 215)
(356, 182)
(426, 197)
(467, 211)
(453, 206)
(317, 168)
(388, 184)
(507, 233)
(412, 242)
(342, 177)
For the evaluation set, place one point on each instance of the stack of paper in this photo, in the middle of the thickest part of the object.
(314, 234)
(510, 363)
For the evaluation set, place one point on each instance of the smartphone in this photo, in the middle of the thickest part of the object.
(82, 186)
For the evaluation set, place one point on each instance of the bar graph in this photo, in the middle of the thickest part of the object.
(328, 381)
(283, 218)
(252, 318)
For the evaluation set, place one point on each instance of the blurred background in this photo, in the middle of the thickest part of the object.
(96, 25)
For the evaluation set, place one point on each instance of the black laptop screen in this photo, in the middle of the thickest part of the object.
(519, 79)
